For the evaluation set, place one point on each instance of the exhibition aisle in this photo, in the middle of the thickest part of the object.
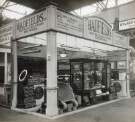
(121, 111)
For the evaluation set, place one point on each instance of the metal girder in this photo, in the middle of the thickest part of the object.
(65, 4)
(102, 5)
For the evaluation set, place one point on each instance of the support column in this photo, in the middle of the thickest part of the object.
(128, 74)
(14, 74)
(52, 108)
(6, 68)
(116, 21)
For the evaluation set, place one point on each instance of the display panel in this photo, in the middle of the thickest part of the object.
(76, 72)
(121, 64)
(2, 68)
(1, 74)
(31, 57)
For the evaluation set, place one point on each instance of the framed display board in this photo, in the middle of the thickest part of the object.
(121, 65)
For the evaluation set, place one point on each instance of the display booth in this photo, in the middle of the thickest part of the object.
(5, 65)
(132, 71)
(61, 62)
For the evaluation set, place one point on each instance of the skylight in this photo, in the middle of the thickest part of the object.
(2, 2)
(98, 7)
(16, 11)
(86, 10)
(123, 1)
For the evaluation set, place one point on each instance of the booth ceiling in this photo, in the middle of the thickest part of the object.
(65, 4)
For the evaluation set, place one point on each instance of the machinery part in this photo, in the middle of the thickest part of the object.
(66, 96)
(64, 105)
(39, 92)
(117, 86)
(23, 75)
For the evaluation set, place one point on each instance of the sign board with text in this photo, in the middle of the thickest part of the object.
(121, 65)
(117, 55)
(127, 24)
(6, 33)
(69, 23)
(120, 40)
(91, 28)
(97, 29)
(32, 24)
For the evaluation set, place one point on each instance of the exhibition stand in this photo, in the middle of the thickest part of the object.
(62, 62)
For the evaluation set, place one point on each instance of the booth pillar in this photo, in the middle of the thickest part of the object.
(128, 74)
(6, 68)
(14, 74)
(116, 21)
(52, 108)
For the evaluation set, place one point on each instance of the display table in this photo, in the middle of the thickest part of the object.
(92, 94)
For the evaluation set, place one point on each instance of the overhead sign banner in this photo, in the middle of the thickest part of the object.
(92, 28)
(120, 40)
(97, 29)
(117, 55)
(32, 24)
(127, 24)
(6, 33)
(68, 23)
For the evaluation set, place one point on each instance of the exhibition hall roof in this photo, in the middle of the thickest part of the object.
(65, 4)
(16, 9)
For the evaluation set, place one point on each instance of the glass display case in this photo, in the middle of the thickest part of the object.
(63, 72)
(90, 78)
(31, 82)
(76, 74)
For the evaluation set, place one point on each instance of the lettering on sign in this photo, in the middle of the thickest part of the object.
(116, 55)
(97, 29)
(99, 26)
(127, 24)
(6, 33)
(31, 24)
(120, 40)
(69, 23)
